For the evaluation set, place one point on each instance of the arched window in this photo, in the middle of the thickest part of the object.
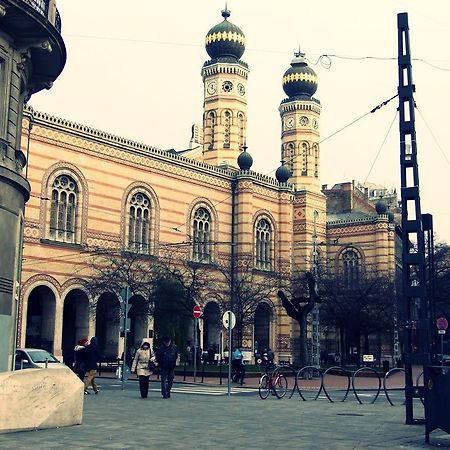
(304, 158)
(202, 235)
(227, 127)
(211, 123)
(241, 123)
(263, 245)
(139, 223)
(63, 209)
(316, 160)
(290, 156)
(350, 267)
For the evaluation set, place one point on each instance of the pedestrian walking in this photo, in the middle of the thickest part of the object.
(141, 362)
(91, 359)
(79, 358)
(166, 357)
(238, 366)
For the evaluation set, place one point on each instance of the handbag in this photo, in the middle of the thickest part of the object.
(151, 366)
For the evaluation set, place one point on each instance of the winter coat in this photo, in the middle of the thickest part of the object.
(141, 360)
(166, 356)
(91, 356)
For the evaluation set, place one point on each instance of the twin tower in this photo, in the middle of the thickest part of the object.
(225, 109)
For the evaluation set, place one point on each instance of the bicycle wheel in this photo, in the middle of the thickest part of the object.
(264, 386)
(280, 385)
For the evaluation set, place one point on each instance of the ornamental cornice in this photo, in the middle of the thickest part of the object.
(82, 136)
(289, 105)
(103, 240)
(339, 230)
(354, 221)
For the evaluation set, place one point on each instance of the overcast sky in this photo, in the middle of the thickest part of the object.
(133, 69)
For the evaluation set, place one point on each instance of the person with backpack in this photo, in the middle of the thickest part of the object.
(166, 357)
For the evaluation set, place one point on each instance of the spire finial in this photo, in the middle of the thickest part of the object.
(244, 147)
(299, 54)
(226, 11)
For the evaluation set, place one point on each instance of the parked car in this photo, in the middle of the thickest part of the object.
(36, 358)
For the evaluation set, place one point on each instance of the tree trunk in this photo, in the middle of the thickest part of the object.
(304, 360)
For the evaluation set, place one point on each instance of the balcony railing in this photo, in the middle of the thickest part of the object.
(44, 9)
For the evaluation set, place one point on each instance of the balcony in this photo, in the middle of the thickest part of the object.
(44, 8)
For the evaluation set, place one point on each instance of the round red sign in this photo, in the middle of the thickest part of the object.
(196, 312)
(442, 323)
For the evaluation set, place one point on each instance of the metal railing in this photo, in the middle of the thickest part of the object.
(42, 7)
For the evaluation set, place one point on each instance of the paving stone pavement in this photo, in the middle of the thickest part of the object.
(122, 420)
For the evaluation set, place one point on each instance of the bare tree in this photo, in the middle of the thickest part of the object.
(113, 271)
(299, 306)
(243, 291)
(358, 308)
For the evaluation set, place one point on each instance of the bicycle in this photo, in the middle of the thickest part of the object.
(274, 382)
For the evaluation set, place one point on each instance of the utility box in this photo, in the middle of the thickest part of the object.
(437, 399)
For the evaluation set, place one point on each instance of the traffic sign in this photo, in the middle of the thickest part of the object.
(229, 316)
(441, 323)
(196, 311)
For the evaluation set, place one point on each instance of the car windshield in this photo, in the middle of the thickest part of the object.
(39, 356)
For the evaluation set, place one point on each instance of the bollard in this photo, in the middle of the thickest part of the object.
(203, 371)
(184, 371)
(220, 370)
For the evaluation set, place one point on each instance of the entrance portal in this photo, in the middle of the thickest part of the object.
(75, 322)
(263, 316)
(41, 318)
(107, 325)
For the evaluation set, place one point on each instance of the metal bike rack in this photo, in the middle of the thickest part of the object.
(299, 375)
(366, 369)
(386, 376)
(336, 368)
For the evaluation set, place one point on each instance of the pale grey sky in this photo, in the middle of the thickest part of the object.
(134, 69)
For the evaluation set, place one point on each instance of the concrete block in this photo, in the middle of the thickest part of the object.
(40, 398)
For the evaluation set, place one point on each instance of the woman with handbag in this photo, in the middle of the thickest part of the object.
(141, 362)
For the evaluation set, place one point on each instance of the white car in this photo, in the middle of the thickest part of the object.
(36, 358)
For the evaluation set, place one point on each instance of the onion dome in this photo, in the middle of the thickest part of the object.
(391, 217)
(225, 39)
(381, 207)
(283, 173)
(245, 160)
(299, 79)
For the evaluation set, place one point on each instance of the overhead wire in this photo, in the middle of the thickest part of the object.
(381, 146)
(433, 136)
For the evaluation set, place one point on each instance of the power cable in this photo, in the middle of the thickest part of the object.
(381, 146)
(433, 136)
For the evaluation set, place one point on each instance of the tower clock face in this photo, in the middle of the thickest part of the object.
(227, 86)
(290, 122)
(241, 89)
(212, 87)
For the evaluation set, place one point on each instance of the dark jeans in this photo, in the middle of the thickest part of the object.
(239, 371)
(143, 385)
(167, 376)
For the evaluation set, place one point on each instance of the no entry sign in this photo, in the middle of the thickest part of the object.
(441, 323)
(196, 311)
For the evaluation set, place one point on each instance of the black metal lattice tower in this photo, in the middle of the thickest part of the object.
(415, 311)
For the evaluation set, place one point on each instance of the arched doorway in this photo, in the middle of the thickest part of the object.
(40, 331)
(75, 322)
(211, 327)
(138, 316)
(263, 315)
(107, 325)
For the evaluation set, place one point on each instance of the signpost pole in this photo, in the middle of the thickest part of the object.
(230, 330)
(125, 332)
(195, 349)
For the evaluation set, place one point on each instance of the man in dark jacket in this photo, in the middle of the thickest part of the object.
(91, 359)
(166, 357)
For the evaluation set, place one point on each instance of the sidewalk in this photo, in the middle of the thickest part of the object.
(395, 381)
(122, 420)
